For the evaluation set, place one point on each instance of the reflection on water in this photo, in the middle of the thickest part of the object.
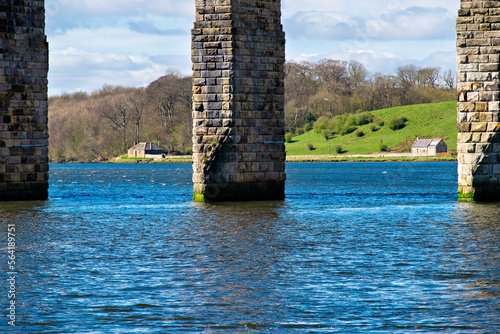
(238, 253)
(375, 248)
(482, 246)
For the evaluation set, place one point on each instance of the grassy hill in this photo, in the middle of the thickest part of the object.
(435, 120)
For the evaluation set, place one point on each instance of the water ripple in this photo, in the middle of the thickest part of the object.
(122, 249)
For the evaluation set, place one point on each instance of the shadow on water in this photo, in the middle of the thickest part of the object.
(482, 243)
(24, 216)
(15, 208)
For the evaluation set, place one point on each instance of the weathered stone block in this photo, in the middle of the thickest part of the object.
(493, 127)
(479, 127)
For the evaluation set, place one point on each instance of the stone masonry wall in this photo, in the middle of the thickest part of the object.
(478, 48)
(23, 101)
(238, 54)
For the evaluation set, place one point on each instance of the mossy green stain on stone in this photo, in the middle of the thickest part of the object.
(466, 197)
(198, 197)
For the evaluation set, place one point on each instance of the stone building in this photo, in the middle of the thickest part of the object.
(428, 147)
(146, 150)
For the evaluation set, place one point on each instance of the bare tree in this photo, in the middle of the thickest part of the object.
(116, 111)
(170, 101)
(382, 92)
(358, 74)
(428, 77)
(137, 105)
(301, 82)
(164, 94)
(449, 79)
(333, 75)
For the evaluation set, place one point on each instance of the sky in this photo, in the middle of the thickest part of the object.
(133, 42)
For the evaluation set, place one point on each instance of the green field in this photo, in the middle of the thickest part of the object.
(435, 120)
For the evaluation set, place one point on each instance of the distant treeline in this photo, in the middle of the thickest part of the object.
(105, 123)
(329, 88)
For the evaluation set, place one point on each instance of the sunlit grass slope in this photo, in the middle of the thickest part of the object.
(435, 120)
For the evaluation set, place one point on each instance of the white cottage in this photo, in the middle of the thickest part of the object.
(146, 150)
(428, 147)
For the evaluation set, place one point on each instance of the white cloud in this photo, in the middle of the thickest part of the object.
(413, 23)
(309, 56)
(63, 15)
(126, 42)
(386, 62)
(147, 27)
(363, 7)
(99, 8)
(82, 70)
(121, 39)
(447, 60)
(93, 42)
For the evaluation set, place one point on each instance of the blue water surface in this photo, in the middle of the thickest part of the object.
(354, 248)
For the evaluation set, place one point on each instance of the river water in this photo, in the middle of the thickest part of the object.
(354, 248)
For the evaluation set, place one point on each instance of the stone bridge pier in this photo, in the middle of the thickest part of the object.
(478, 48)
(23, 101)
(238, 53)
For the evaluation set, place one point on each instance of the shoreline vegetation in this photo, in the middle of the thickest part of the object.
(375, 139)
(327, 102)
(377, 132)
(394, 157)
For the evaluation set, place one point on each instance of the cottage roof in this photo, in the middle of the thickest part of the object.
(424, 143)
(147, 146)
(434, 142)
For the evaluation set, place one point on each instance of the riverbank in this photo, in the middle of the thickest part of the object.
(387, 157)
(390, 157)
(167, 160)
